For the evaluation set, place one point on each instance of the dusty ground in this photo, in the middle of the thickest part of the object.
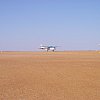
(50, 75)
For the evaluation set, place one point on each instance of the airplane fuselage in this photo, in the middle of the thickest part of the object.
(47, 48)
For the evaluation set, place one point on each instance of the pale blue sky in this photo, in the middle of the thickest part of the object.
(71, 24)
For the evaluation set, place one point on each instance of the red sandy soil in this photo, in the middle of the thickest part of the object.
(50, 75)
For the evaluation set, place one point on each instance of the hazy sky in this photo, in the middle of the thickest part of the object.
(71, 24)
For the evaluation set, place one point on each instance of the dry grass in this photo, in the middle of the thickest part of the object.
(50, 75)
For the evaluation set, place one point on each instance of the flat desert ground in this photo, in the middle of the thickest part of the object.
(70, 75)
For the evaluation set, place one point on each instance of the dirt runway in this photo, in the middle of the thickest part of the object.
(71, 75)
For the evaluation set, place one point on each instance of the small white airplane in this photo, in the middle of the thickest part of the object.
(47, 48)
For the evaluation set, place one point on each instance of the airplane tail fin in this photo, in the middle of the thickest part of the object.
(41, 45)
